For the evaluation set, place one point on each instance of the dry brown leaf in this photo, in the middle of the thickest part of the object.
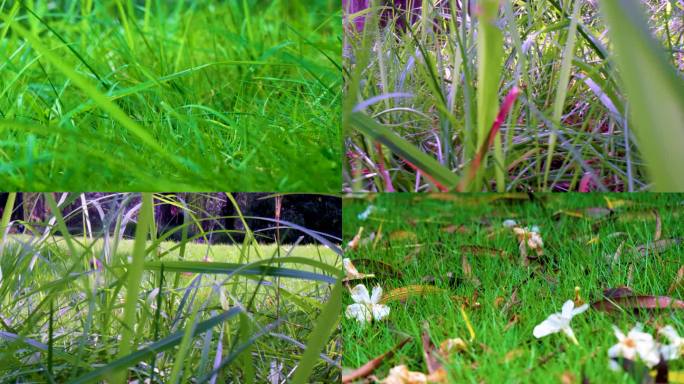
(468, 271)
(429, 352)
(480, 250)
(513, 300)
(401, 375)
(449, 347)
(498, 301)
(453, 228)
(568, 378)
(677, 281)
(657, 246)
(403, 293)
(373, 364)
(379, 267)
(401, 235)
(623, 297)
(512, 322)
(354, 243)
(513, 354)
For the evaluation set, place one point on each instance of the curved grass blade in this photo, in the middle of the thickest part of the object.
(654, 90)
(135, 272)
(426, 164)
(324, 327)
(152, 349)
(490, 61)
(256, 268)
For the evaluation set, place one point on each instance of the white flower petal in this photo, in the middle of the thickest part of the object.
(618, 333)
(377, 295)
(566, 312)
(551, 325)
(380, 311)
(670, 334)
(359, 312)
(649, 354)
(615, 351)
(614, 365)
(509, 223)
(568, 331)
(580, 309)
(669, 352)
(360, 294)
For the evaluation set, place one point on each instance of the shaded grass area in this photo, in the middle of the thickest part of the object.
(424, 239)
(435, 78)
(240, 95)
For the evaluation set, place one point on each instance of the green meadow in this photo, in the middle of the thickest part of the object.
(158, 95)
(450, 269)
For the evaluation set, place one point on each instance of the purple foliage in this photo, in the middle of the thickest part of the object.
(413, 6)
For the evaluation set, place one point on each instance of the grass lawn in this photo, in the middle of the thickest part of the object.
(157, 96)
(458, 245)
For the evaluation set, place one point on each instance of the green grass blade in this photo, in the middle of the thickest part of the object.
(655, 92)
(256, 268)
(562, 87)
(489, 60)
(100, 99)
(324, 327)
(135, 273)
(404, 149)
(7, 213)
(152, 349)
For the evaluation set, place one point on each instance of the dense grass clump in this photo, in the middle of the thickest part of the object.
(158, 95)
(470, 273)
(94, 306)
(600, 98)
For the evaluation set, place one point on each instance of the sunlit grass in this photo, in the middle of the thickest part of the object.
(577, 254)
(240, 95)
(76, 308)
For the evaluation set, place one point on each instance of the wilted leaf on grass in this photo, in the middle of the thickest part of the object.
(429, 352)
(657, 246)
(481, 250)
(677, 281)
(379, 268)
(674, 212)
(468, 271)
(453, 228)
(659, 225)
(403, 293)
(354, 243)
(512, 355)
(401, 235)
(586, 213)
(373, 364)
(624, 298)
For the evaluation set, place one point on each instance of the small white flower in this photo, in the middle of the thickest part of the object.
(675, 349)
(529, 238)
(635, 344)
(560, 321)
(510, 223)
(363, 216)
(366, 307)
